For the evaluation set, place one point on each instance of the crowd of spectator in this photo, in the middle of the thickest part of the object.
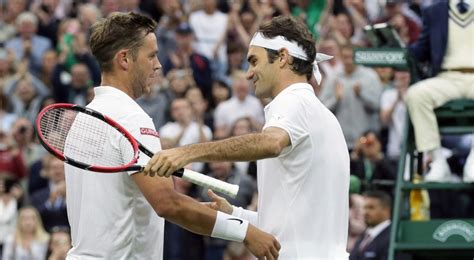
(202, 94)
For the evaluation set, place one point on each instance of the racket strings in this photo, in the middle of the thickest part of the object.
(85, 138)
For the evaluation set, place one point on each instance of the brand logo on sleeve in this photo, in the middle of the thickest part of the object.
(236, 219)
(149, 131)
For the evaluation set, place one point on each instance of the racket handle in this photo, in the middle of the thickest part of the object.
(206, 181)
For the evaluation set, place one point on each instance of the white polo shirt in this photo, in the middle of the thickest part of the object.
(304, 192)
(109, 216)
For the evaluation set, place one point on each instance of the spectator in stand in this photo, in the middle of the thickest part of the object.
(200, 107)
(186, 58)
(393, 113)
(369, 163)
(331, 47)
(30, 240)
(155, 103)
(172, 15)
(48, 20)
(28, 44)
(26, 99)
(311, 12)
(59, 244)
(393, 9)
(9, 191)
(242, 104)
(353, 95)
(220, 93)
(184, 130)
(357, 224)
(51, 200)
(13, 9)
(22, 132)
(344, 30)
(375, 240)
(6, 117)
(8, 67)
(209, 26)
(76, 90)
(50, 60)
(12, 165)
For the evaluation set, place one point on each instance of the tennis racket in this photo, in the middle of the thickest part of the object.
(78, 136)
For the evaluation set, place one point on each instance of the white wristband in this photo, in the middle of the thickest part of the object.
(229, 227)
(249, 215)
(237, 211)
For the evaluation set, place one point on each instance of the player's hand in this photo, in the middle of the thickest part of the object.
(218, 203)
(165, 163)
(262, 245)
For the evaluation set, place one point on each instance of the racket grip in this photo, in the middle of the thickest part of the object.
(206, 181)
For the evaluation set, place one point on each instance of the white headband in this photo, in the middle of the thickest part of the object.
(293, 49)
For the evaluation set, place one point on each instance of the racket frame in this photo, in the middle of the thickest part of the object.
(104, 169)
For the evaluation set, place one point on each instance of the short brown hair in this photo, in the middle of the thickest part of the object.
(119, 31)
(293, 30)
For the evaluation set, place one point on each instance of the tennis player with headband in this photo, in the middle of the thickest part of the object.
(303, 167)
(121, 216)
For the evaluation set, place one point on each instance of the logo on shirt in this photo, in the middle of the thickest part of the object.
(149, 131)
(236, 219)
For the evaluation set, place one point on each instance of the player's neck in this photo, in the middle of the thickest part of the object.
(287, 79)
(117, 82)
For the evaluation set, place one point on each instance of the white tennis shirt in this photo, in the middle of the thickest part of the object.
(303, 193)
(109, 216)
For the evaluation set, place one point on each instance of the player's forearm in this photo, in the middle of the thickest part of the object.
(241, 148)
(189, 214)
(200, 219)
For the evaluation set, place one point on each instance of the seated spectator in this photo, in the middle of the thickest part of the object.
(179, 83)
(37, 178)
(184, 130)
(242, 104)
(8, 69)
(220, 93)
(51, 200)
(6, 117)
(26, 96)
(210, 27)
(155, 103)
(445, 43)
(357, 224)
(76, 90)
(49, 62)
(199, 106)
(185, 57)
(369, 163)
(12, 164)
(59, 244)
(22, 132)
(375, 240)
(393, 113)
(330, 46)
(29, 45)
(8, 208)
(353, 95)
(29, 240)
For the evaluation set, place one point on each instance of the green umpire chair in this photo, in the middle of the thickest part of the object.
(434, 239)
